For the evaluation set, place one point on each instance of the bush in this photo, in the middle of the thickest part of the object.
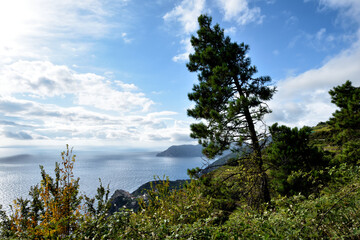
(295, 165)
(56, 209)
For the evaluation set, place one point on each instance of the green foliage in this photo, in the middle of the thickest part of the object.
(345, 123)
(295, 165)
(55, 209)
(234, 185)
(223, 204)
(347, 98)
(189, 213)
(228, 97)
(331, 216)
(96, 222)
(321, 136)
(166, 210)
(351, 152)
(183, 206)
(5, 225)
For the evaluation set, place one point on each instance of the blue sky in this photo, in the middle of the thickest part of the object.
(112, 73)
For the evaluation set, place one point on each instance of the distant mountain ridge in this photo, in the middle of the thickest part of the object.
(182, 151)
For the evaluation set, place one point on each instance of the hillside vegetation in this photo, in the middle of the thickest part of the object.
(314, 179)
(291, 183)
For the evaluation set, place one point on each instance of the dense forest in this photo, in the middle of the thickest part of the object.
(282, 182)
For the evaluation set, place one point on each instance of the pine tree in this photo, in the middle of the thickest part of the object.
(228, 98)
(345, 123)
(347, 98)
(295, 165)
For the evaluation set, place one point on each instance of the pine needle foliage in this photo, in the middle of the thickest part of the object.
(229, 99)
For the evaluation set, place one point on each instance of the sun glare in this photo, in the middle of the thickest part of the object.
(17, 19)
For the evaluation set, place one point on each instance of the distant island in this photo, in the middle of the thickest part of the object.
(182, 151)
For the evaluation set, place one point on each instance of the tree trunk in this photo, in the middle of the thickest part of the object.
(264, 187)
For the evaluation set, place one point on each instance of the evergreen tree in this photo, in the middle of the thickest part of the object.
(345, 123)
(228, 97)
(295, 165)
(347, 98)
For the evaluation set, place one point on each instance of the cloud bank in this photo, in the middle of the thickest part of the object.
(44, 102)
(304, 99)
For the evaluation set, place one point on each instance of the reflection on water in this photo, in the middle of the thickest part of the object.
(18, 172)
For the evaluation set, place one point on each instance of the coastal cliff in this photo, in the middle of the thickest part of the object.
(182, 151)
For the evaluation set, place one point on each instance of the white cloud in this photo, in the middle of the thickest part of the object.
(292, 20)
(52, 123)
(186, 13)
(126, 38)
(229, 31)
(349, 8)
(34, 91)
(41, 18)
(337, 70)
(320, 34)
(239, 11)
(126, 86)
(188, 49)
(304, 99)
(161, 114)
(321, 40)
(43, 79)
(37, 29)
(17, 135)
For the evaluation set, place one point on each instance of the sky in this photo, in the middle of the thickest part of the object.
(108, 73)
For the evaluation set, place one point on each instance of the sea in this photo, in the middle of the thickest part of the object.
(120, 169)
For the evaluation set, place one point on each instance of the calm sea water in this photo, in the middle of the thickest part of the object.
(19, 170)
